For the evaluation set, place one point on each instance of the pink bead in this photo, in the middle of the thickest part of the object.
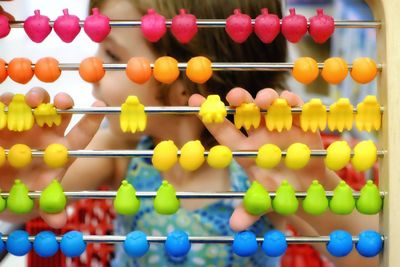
(4, 26)
(294, 26)
(153, 26)
(97, 26)
(321, 27)
(67, 27)
(37, 27)
(184, 26)
(267, 26)
(238, 26)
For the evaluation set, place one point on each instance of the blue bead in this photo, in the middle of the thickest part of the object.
(135, 244)
(2, 244)
(369, 244)
(72, 244)
(18, 243)
(177, 244)
(274, 244)
(45, 244)
(245, 244)
(340, 243)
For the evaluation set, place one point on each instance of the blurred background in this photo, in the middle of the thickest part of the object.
(346, 43)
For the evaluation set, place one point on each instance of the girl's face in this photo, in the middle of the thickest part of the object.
(115, 87)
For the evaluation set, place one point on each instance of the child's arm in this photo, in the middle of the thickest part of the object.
(37, 175)
(226, 134)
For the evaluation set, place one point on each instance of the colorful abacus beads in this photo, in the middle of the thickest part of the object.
(166, 202)
(153, 26)
(369, 243)
(19, 156)
(247, 115)
(274, 244)
(138, 70)
(267, 26)
(37, 27)
(335, 70)
(19, 116)
(365, 154)
(132, 118)
(46, 114)
(257, 201)
(245, 244)
(364, 70)
(238, 26)
(279, 116)
(47, 69)
(165, 155)
(219, 157)
(136, 244)
(3, 71)
(18, 200)
(67, 26)
(337, 155)
(192, 155)
(20, 70)
(321, 27)
(72, 244)
(52, 199)
(4, 26)
(268, 156)
(305, 70)
(340, 243)
(294, 26)
(297, 156)
(97, 26)
(342, 201)
(91, 69)
(184, 26)
(315, 202)
(370, 201)
(166, 70)
(18, 243)
(199, 69)
(313, 116)
(126, 202)
(177, 244)
(212, 110)
(285, 201)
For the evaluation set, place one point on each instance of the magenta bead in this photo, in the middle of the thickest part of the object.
(37, 27)
(153, 26)
(67, 27)
(238, 26)
(267, 26)
(97, 26)
(4, 26)
(294, 26)
(322, 27)
(184, 27)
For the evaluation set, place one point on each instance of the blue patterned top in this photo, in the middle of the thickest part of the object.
(211, 220)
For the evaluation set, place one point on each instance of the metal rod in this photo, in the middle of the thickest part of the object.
(87, 153)
(216, 66)
(161, 110)
(183, 195)
(219, 23)
(198, 239)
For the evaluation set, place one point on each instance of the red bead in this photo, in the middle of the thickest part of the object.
(37, 27)
(322, 27)
(67, 26)
(238, 26)
(97, 26)
(153, 26)
(184, 27)
(294, 26)
(267, 26)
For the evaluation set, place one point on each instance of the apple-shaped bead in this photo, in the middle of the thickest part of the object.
(37, 27)
(4, 26)
(184, 27)
(267, 26)
(322, 27)
(294, 26)
(238, 26)
(97, 26)
(67, 27)
(153, 26)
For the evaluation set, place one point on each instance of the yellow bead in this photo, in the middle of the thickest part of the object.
(337, 155)
(297, 156)
(365, 154)
(19, 156)
(219, 157)
(55, 156)
(165, 155)
(268, 156)
(192, 155)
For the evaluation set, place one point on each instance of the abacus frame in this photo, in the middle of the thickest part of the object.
(388, 53)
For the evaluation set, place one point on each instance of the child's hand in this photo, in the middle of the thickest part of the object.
(227, 134)
(37, 175)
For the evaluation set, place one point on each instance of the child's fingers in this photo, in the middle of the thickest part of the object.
(241, 219)
(37, 96)
(225, 133)
(56, 221)
(238, 96)
(63, 101)
(265, 97)
(6, 98)
(292, 99)
(83, 132)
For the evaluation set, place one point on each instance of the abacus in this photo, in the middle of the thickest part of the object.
(370, 115)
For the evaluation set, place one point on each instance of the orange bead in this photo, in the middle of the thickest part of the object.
(166, 70)
(3, 70)
(20, 70)
(364, 70)
(47, 69)
(335, 70)
(199, 69)
(305, 70)
(91, 69)
(138, 70)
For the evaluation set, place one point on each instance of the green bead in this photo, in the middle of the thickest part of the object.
(18, 200)
(126, 202)
(342, 201)
(285, 201)
(3, 204)
(52, 199)
(370, 201)
(257, 200)
(166, 201)
(315, 202)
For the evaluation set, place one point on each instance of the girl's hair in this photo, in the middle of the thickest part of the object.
(215, 44)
